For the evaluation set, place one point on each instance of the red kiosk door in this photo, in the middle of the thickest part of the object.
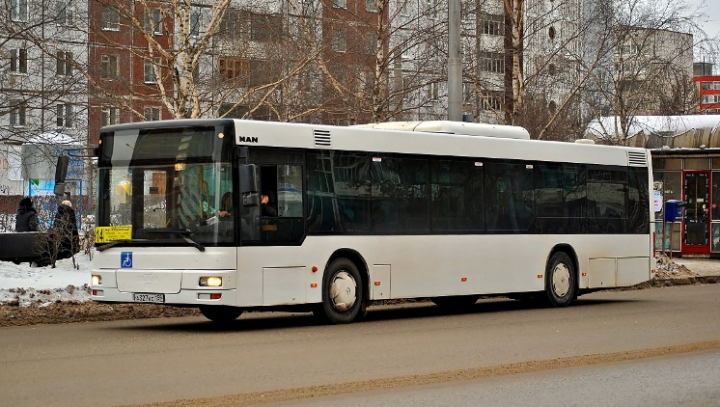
(696, 219)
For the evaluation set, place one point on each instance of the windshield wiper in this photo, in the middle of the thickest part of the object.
(183, 233)
(116, 242)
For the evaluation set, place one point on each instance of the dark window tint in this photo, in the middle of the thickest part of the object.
(456, 196)
(400, 196)
(339, 186)
(560, 197)
(607, 200)
(509, 190)
(638, 198)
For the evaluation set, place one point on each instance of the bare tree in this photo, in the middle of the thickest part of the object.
(43, 93)
(646, 63)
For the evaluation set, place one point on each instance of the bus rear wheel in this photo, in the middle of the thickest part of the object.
(343, 293)
(560, 280)
(220, 314)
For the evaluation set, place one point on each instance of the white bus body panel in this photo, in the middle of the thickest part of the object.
(402, 266)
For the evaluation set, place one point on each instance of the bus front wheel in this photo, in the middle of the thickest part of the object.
(342, 295)
(220, 314)
(560, 280)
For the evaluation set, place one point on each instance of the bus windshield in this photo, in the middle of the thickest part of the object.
(165, 187)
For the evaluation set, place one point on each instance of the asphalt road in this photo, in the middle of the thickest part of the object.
(277, 357)
(670, 381)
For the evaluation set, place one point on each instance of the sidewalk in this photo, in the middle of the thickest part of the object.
(701, 267)
(682, 271)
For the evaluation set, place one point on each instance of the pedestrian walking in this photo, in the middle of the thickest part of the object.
(65, 229)
(26, 219)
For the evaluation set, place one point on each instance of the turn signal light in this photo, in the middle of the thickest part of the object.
(209, 296)
(210, 281)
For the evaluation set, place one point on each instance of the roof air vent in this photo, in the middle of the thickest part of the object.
(322, 138)
(637, 159)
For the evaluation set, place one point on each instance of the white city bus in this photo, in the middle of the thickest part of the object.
(439, 210)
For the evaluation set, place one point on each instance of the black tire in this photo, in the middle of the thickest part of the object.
(343, 293)
(455, 303)
(220, 314)
(560, 280)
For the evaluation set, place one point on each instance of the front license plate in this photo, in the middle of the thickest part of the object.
(155, 298)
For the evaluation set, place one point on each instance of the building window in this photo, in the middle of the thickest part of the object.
(153, 21)
(710, 85)
(492, 62)
(195, 21)
(261, 26)
(232, 23)
(371, 6)
(370, 43)
(432, 8)
(493, 24)
(65, 12)
(19, 10)
(18, 60)
(110, 19)
(152, 114)
(233, 68)
(491, 101)
(339, 40)
(17, 113)
(64, 63)
(110, 115)
(108, 66)
(402, 6)
(150, 67)
(65, 115)
(468, 92)
(339, 4)
(433, 91)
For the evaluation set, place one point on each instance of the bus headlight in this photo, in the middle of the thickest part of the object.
(210, 281)
(96, 279)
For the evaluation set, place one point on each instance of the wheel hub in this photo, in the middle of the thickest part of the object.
(343, 291)
(561, 280)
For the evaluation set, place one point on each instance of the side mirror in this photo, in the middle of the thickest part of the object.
(61, 174)
(251, 199)
(59, 189)
(248, 178)
(61, 168)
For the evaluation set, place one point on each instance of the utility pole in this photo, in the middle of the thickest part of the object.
(454, 62)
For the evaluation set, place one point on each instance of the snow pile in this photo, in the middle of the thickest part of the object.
(667, 268)
(23, 285)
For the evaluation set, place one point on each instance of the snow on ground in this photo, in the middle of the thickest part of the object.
(27, 285)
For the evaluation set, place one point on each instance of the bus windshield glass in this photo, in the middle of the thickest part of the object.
(165, 187)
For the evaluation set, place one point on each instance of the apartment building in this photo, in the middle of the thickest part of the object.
(708, 88)
(43, 94)
(548, 53)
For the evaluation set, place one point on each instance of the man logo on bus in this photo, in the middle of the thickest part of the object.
(126, 260)
(244, 139)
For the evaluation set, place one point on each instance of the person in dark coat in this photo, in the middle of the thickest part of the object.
(26, 219)
(267, 201)
(65, 227)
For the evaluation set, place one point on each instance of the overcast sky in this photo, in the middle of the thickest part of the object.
(711, 13)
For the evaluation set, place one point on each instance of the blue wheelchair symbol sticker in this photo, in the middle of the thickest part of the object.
(126, 260)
